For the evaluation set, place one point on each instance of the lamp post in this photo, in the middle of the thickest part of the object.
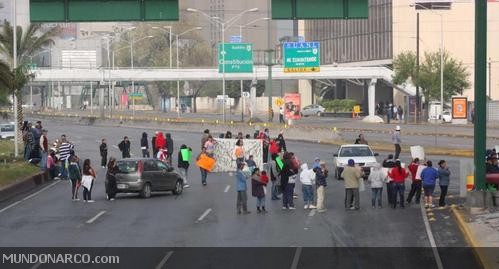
(241, 35)
(130, 44)
(224, 25)
(177, 36)
(169, 40)
(14, 66)
(441, 54)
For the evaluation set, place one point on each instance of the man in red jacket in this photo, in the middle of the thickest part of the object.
(416, 183)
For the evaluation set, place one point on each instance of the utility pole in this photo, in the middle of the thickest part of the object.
(418, 106)
(480, 130)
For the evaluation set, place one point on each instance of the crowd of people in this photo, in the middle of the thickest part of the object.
(282, 170)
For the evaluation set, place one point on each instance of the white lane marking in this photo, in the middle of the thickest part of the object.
(164, 260)
(227, 188)
(431, 238)
(29, 196)
(312, 213)
(204, 214)
(36, 266)
(96, 217)
(296, 258)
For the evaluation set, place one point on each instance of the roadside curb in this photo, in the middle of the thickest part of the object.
(470, 238)
(22, 186)
(131, 122)
(264, 124)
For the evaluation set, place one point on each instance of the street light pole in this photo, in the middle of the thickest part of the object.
(133, 82)
(14, 66)
(223, 25)
(178, 81)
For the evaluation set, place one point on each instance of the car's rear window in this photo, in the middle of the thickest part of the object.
(127, 167)
(355, 152)
(7, 128)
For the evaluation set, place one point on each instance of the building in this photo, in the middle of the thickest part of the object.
(391, 29)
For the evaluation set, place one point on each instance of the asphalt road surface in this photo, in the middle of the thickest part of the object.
(206, 216)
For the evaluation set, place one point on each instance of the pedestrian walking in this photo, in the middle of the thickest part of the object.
(87, 181)
(352, 176)
(389, 112)
(398, 176)
(400, 112)
(44, 150)
(184, 155)
(281, 115)
(153, 145)
(209, 145)
(258, 186)
(307, 179)
(111, 188)
(275, 178)
(241, 188)
(204, 172)
(361, 140)
(74, 175)
(169, 147)
(377, 179)
(64, 151)
(124, 147)
(321, 174)
(443, 181)
(396, 141)
(144, 145)
(103, 152)
(395, 112)
(429, 177)
(416, 182)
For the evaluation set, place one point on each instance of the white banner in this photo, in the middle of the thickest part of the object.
(224, 153)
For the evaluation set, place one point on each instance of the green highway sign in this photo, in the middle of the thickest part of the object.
(301, 57)
(319, 9)
(238, 58)
(103, 10)
(135, 95)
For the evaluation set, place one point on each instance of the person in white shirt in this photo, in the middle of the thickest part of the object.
(307, 179)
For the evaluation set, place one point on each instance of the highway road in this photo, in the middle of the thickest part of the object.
(206, 217)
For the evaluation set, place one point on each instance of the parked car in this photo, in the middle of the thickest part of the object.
(312, 110)
(361, 154)
(447, 116)
(7, 130)
(147, 175)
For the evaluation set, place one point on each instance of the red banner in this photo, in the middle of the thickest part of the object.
(292, 106)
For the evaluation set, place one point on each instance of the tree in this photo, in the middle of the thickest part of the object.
(28, 43)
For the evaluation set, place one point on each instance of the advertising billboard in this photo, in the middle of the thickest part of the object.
(292, 106)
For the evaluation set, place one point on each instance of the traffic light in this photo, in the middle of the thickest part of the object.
(319, 9)
(103, 10)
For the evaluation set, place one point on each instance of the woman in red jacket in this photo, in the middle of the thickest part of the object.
(398, 175)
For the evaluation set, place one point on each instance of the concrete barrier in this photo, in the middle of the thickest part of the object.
(23, 186)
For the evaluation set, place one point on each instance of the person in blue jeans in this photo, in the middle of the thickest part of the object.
(288, 180)
(429, 177)
(307, 178)
(241, 188)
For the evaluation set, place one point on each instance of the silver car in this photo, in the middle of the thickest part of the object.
(312, 110)
(145, 175)
(7, 131)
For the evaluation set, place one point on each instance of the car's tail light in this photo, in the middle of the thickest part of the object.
(140, 168)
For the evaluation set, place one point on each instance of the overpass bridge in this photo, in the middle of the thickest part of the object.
(372, 73)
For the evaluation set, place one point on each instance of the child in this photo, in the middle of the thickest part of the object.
(258, 190)
(75, 177)
(183, 165)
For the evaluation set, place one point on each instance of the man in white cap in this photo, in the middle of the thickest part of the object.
(396, 141)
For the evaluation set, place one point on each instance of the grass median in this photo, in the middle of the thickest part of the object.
(12, 169)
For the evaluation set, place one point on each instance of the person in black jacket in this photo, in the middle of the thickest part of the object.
(124, 147)
(169, 147)
(288, 179)
(153, 145)
(103, 153)
(183, 165)
(111, 188)
(282, 143)
(144, 145)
